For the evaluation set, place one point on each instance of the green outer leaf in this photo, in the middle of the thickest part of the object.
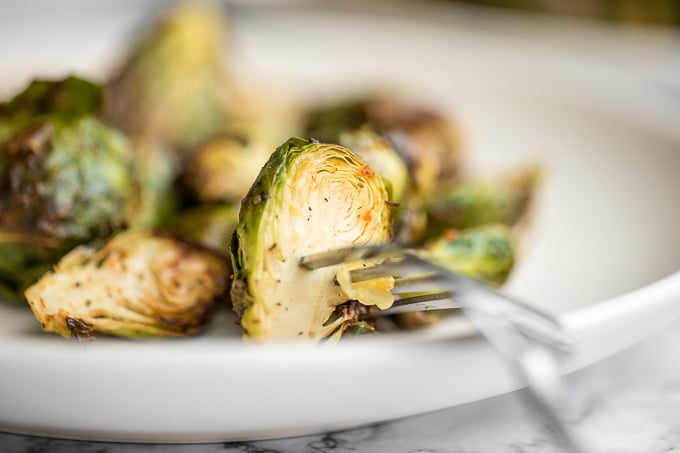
(69, 98)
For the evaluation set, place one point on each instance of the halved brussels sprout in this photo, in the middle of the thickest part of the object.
(223, 167)
(172, 86)
(310, 197)
(141, 283)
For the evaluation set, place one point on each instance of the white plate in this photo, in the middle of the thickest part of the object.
(604, 249)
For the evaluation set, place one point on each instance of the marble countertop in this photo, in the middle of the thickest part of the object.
(628, 403)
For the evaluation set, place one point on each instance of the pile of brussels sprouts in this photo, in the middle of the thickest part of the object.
(141, 206)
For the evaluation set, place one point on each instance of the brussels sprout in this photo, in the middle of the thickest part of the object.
(473, 203)
(309, 197)
(172, 85)
(223, 167)
(485, 253)
(61, 183)
(208, 225)
(141, 283)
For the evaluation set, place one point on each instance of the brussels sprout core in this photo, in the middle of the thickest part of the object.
(309, 198)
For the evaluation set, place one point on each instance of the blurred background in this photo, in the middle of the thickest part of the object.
(631, 11)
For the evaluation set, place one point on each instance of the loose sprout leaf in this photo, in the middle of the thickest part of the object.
(377, 291)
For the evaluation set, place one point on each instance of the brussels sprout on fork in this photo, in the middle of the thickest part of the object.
(309, 197)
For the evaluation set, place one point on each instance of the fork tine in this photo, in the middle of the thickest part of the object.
(390, 268)
(418, 283)
(411, 302)
(347, 255)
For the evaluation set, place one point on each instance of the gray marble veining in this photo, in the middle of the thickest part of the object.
(629, 403)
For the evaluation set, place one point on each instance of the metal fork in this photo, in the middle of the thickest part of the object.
(531, 342)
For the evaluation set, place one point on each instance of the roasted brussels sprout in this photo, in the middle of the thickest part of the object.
(223, 167)
(485, 253)
(141, 283)
(61, 183)
(309, 197)
(478, 202)
(67, 100)
(172, 85)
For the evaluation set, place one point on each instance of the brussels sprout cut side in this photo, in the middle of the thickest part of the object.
(140, 284)
(310, 197)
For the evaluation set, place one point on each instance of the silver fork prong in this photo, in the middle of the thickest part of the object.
(347, 255)
(410, 302)
(418, 283)
(373, 271)
(398, 267)
(442, 297)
